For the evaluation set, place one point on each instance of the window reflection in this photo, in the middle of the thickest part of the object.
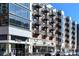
(19, 16)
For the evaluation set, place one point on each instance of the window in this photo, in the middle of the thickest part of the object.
(3, 37)
(19, 16)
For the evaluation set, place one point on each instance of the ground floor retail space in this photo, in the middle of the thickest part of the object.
(23, 49)
(13, 49)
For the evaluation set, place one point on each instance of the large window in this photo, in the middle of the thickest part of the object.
(3, 14)
(19, 10)
(3, 37)
(19, 15)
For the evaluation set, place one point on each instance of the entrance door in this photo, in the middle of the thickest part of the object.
(20, 49)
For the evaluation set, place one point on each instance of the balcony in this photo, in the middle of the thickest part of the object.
(67, 30)
(59, 13)
(58, 43)
(51, 13)
(50, 27)
(50, 34)
(36, 13)
(44, 17)
(73, 46)
(43, 32)
(73, 37)
(36, 5)
(45, 10)
(35, 27)
(73, 23)
(44, 27)
(73, 28)
(73, 33)
(35, 33)
(67, 41)
(50, 38)
(35, 30)
(58, 39)
(58, 32)
(36, 23)
(58, 19)
(73, 42)
(67, 19)
(66, 45)
(67, 35)
(67, 25)
(58, 25)
(51, 21)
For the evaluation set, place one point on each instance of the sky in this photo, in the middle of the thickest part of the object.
(70, 9)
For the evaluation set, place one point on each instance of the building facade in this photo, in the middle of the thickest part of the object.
(36, 29)
(47, 28)
(51, 25)
(14, 26)
(69, 33)
(77, 39)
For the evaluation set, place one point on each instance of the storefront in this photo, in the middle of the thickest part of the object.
(41, 50)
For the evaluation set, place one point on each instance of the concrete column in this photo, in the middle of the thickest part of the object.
(9, 37)
(8, 48)
(30, 49)
(8, 45)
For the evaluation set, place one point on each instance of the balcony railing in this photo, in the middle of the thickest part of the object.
(45, 10)
(67, 19)
(35, 23)
(67, 24)
(43, 32)
(50, 27)
(58, 39)
(73, 27)
(58, 32)
(44, 25)
(58, 25)
(59, 13)
(73, 33)
(36, 13)
(44, 17)
(51, 21)
(50, 34)
(36, 30)
(67, 41)
(58, 43)
(73, 37)
(51, 13)
(57, 19)
(36, 5)
(67, 35)
(73, 42)
(67, 30)
(73, 46)
(66, 45)
(73, 23)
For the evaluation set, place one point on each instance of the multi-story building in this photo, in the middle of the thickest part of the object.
(42, 43)
(66, 34)
(36, 29)
(77, 39)
(73, 39)
(69, 33)
(46, 28)
(14, 28)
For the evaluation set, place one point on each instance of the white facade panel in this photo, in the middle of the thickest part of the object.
(19, 32)
(3, 29)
